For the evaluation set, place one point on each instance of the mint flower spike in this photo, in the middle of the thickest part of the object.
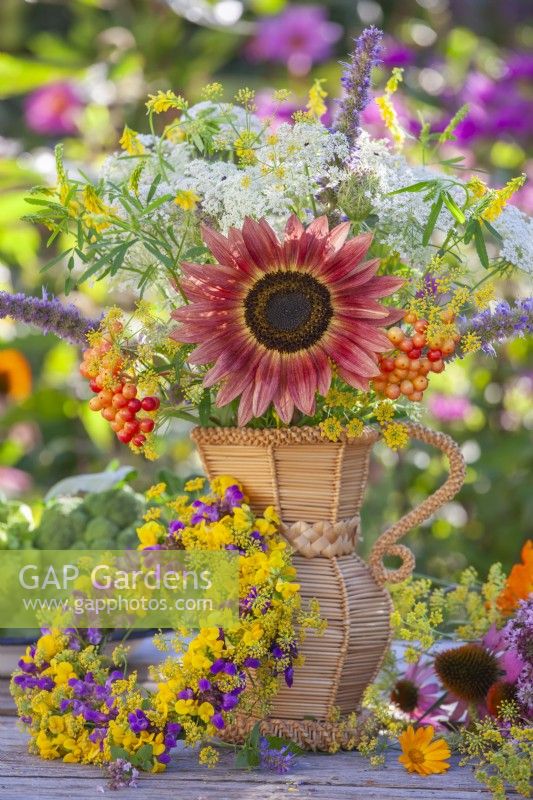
(356, 82)
(48, 314)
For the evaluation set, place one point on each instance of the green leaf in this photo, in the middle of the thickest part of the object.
(432, 220)
(453, 208)
(481, 248)
(53, 261)
(118, 752)
(151, 191)
(415, 187)
(492, 230)
(156, 203)
(204, 408)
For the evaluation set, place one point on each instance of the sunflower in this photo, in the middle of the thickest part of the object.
(272, 317)
(15, 375)
(421, 754)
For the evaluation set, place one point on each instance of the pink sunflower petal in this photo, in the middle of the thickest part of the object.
(266, 382)
(302, 381)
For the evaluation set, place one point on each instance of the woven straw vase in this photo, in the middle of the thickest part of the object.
(317, 488)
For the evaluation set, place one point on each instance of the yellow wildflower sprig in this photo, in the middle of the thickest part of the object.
(387, 110)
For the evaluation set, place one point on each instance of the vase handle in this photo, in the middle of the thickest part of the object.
(386, 543)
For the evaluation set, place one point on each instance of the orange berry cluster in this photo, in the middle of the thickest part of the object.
(116, 395)
(405, 370)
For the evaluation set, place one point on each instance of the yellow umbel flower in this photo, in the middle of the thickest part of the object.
(195, 485)
(421, 754)
(187, 199)
(129, 141)
(156, 490)
(212, 91)
(501, 197)
(484, 295)
(354, 428)
(208, 756)
(470, 342)
(395, 435)
(384, 412)
(315, 104)
(387, 110)
(331, 428)
(162, 101)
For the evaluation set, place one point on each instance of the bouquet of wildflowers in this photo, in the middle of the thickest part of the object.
(293, 274)
(80, 706)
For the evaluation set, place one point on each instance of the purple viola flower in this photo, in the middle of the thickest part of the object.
(233, 497)
(275, 759)
(53, 110)
(218, 721)
(186, 694)
(205, 511)
(204, 685)
(138, 721)
(94, 635)
(356, 82)
(175, 525)
(252, 663)
(289, 676)
(229, 701)
(230, 668)
(277, 651)
(218, 666)
(299, 37)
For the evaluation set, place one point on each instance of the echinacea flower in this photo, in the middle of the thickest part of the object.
(15, 375)
(272, 316)
(421, 754)
(417, 691)
(468, 671)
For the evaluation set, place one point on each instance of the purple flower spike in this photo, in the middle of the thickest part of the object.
(186, 694)
(138, 721)
(50, 315)
(356, 82)
(204, 685)
(230, 668)
(252, 663)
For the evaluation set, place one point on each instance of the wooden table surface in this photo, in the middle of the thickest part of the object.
(344, 776)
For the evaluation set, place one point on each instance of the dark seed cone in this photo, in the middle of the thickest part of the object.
(468, 671)
(500, 692)
(405, 695)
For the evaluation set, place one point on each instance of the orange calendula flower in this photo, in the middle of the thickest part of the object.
(15, 375)
(421, 754)
(519, 583)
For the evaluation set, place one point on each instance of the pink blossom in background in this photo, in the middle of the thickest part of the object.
(395, 53)
(299, 37)
(449, 408)
(52, 110)
(14, 482)
(268, 108)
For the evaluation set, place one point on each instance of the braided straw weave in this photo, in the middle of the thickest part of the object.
(324, 538)
(386, 544)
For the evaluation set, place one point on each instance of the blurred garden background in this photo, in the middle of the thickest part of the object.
(79, 70)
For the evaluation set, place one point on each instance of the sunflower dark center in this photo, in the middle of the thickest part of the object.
(5, 383)
(288, 311)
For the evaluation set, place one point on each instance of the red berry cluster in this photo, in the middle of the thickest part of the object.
(404, 371)
(116, 395)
